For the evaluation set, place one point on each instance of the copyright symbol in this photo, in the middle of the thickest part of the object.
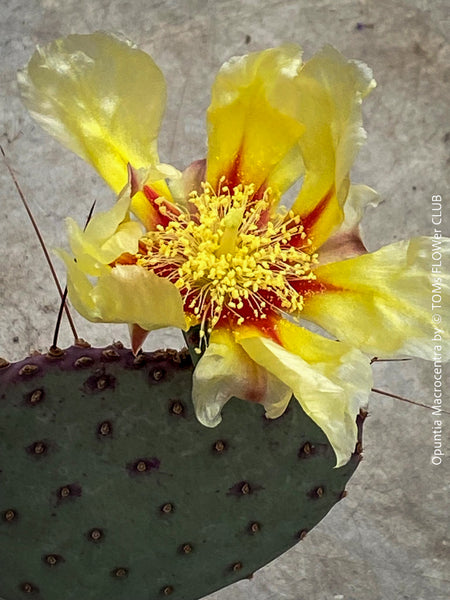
(436, 318)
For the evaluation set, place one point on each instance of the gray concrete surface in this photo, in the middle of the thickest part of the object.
(389, 539)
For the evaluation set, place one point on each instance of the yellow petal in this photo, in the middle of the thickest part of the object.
(107, 235)
(99, 96)
(225, 371)
(79, 289)
(346, 242)
(155, 179)
(330, 90)
(329, 379)
(125, 294)
(381, 302)
(249, 130)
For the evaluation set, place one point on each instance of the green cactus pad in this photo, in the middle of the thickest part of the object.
(111, 489)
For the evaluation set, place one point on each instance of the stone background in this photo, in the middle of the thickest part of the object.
(389, 538)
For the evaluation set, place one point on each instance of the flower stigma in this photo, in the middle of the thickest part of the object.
(231, 258)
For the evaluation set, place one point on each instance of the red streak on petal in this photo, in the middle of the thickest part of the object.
(150, 193)
(133, 179)
(234, 175)
(267, 327)
(309, 221)
(171, 211)
(311, 287)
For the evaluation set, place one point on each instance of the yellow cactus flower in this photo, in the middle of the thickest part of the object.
(213, 246)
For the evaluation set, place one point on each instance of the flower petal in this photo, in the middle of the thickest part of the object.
(225, 371)
(381, 302)
(107, 235)
(346, 242)
(191, 179)
(154, 179)
(250, 130)
(331, 380)
(330, 90)
(125, 294)
(99, 96)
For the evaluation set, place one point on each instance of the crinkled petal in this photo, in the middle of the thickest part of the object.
(225, 371)
(331, 380)
(381, 302)
(101, 97)
(330, 89)
(79, 289)
(107, 235)
(250, 130)
(346, 242)
(125, 240)
(125, 294)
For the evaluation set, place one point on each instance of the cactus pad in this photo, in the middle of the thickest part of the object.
(110, 488)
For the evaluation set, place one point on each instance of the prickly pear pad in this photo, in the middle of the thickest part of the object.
(111, 488)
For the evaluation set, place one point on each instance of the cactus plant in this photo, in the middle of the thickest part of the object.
(111, 488)
(111, 485)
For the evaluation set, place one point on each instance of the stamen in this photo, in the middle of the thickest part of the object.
(233, 260)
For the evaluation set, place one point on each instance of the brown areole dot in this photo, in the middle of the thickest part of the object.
(95, 535)
(219, 446)
(306, 450)
(38, 448)
(52, 559)
(35, 397)
(245, 489)
(167, 590)
(177, 408)
(102, 383)
(28, 370)
(317, 492)
(99, 382)
(104, 429)
(157, 374)
(80, 343)
(143, 465)
(254, 527)
(64, 492)
(139, 361)
(29, 588)
(9, 515)
(55, 352)
(110, 354)
(167, 508)
(83, 362)
(71, 490)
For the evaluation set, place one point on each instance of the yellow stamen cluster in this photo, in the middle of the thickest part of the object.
(231, 250)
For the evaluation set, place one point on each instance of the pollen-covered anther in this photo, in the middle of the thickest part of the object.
(235, 259)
